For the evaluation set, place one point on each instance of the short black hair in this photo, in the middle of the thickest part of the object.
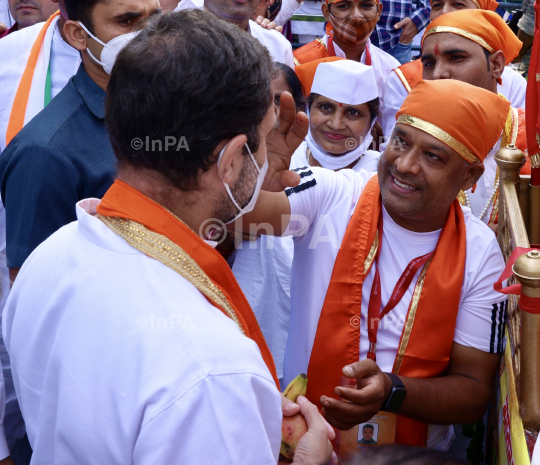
(372, 104)
(81, 10)
(192, 77)
(294, 84)
(368, 426)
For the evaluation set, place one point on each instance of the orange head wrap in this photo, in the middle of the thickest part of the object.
(483, 27)
(490, 5)
(471, 123)
(306, 72)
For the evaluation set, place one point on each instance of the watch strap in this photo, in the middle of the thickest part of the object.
(397, 394)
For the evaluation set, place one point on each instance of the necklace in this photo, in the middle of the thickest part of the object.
(484, 211)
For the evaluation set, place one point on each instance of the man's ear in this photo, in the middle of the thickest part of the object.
(473, 174)
(75, 35)
(380, 10)
(232, 159)
(325, 11)
(498, 62)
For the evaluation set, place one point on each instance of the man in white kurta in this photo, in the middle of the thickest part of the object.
(136, 365)
(122, 355)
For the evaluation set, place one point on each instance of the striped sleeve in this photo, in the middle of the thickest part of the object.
(482, 314)
(304, 201)
(498, 321)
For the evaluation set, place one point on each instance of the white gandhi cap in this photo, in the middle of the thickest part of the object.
(345, 81)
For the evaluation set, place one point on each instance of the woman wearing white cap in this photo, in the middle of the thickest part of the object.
(343, 106)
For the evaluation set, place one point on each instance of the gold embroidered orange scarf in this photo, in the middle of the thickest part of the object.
(426, 340)
(123, 201)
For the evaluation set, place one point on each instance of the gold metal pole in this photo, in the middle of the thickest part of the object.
(527, 271)
(534, 214)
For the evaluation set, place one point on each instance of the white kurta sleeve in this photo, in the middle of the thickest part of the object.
(288, 8)
(394, 94)
(225, 419)
(4, 450)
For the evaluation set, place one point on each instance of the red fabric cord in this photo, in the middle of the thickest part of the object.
(526, 303)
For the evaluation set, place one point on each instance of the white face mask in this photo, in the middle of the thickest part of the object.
(260, 178)
(111, 49)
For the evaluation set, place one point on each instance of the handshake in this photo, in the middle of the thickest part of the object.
(305, 434)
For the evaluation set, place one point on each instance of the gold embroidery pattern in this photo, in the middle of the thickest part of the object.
(403, 79)
(535, 160)
(171, 255)
(322, 43)
(495, 209)
(296, 62)
(515, 124)
(410, 318)
(371, 255)
(459, 32)
(477, 4)
(538, 77)
(438, 133)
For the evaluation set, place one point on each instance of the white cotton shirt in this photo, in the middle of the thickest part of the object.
(513, 88)
(279, 47)
(368, 162)
(118, 359)
(320, 215)
(263, 271)
(5, 15)
(15, 50)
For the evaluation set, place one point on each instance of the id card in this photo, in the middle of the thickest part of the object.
(379, 430)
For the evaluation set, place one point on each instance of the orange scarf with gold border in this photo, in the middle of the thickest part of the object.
(427, 337)
(123, 201)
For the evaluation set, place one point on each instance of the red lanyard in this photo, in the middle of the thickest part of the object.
(332, 50)
(375, 314)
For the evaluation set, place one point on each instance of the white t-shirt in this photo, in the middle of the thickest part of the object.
(279, 47)
(118, 359)
(514, 87)
(321, 208)
(368, 162)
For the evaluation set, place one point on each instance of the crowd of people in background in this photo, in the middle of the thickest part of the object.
(193, 213)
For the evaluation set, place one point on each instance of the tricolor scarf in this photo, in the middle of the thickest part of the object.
(428, 333)
(123, 201)
(30, 97)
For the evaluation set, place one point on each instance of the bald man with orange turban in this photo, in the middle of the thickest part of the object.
(349, 25)
(403, 78)
(393, 313)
